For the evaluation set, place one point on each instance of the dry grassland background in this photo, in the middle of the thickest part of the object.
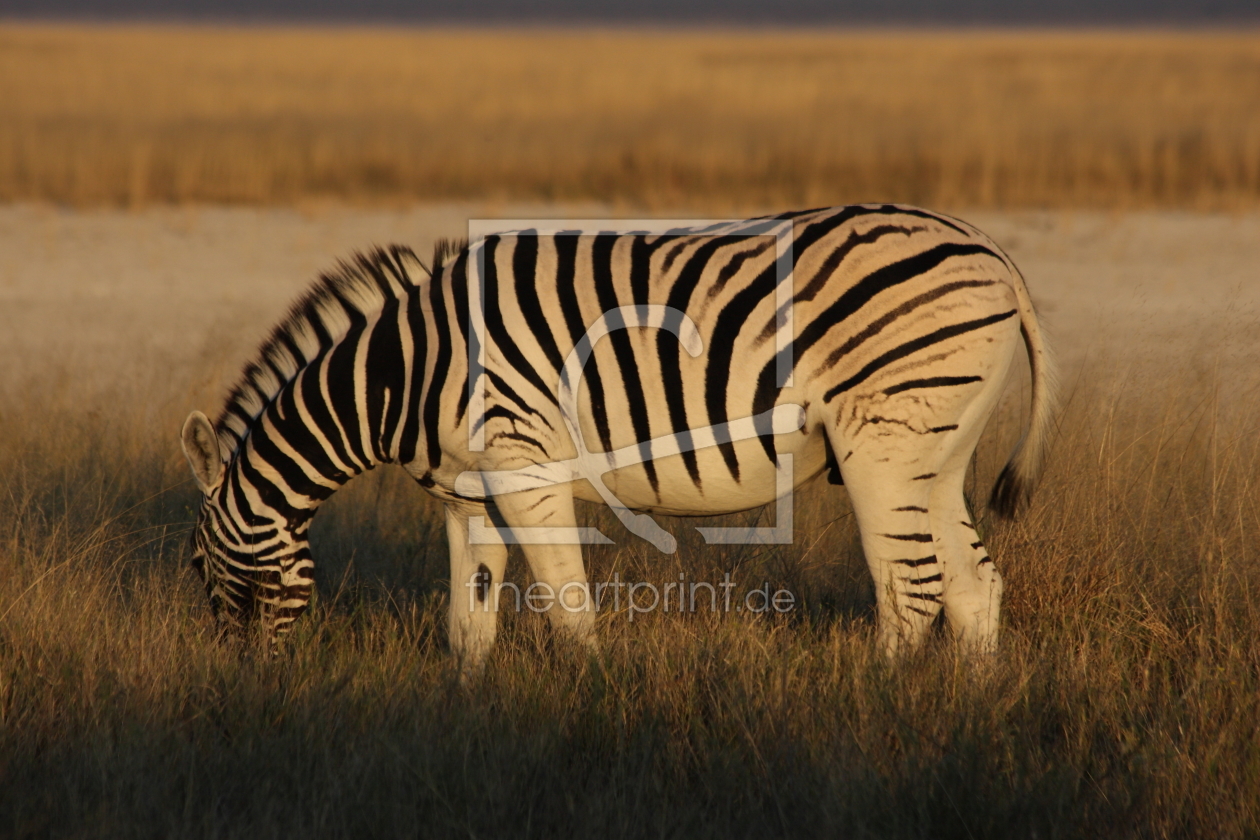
(1125, 700)
(137, 115)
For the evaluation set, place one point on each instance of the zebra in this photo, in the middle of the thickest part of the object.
(874, 347)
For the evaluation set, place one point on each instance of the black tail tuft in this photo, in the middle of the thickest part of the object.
(1010, 492)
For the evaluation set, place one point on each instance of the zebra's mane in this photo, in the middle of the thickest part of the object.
(358, 287)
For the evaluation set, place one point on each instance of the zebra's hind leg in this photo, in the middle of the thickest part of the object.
(477, 570)
(890, 501)
(973, 586)
(545, 523)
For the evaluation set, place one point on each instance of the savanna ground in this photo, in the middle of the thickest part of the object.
(1125, 700)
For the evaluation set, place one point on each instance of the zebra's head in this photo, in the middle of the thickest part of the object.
(228, 600)
(245, 557)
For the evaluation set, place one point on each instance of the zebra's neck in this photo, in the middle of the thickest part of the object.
(341, 415)
(344, 413)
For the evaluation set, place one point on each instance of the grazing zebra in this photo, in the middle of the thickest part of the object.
(869, 341)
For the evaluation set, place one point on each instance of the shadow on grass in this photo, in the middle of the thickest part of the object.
(1123, 702)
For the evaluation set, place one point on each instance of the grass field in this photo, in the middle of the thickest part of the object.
(1125, 700)
(131, 116)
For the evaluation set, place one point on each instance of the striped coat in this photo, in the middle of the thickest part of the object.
(684, 371)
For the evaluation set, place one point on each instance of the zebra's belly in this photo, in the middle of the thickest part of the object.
(754, 482)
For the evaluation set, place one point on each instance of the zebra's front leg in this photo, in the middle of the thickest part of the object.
(544, 522)
(477, 570)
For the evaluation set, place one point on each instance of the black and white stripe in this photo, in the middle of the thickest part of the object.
(903, 326)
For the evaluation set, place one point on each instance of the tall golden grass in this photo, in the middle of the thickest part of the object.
(1124, 702)
(132, 115)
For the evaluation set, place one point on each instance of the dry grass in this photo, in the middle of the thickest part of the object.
(139, 115)
(1124, 702)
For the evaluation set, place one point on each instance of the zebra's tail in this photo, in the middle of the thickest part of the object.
(1014, 486)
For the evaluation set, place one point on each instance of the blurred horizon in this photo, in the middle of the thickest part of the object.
(791, 13)
(132, 115)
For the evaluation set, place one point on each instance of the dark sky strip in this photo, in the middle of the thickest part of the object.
(943, 334)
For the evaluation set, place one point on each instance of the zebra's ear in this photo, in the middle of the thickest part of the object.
(201, 448)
